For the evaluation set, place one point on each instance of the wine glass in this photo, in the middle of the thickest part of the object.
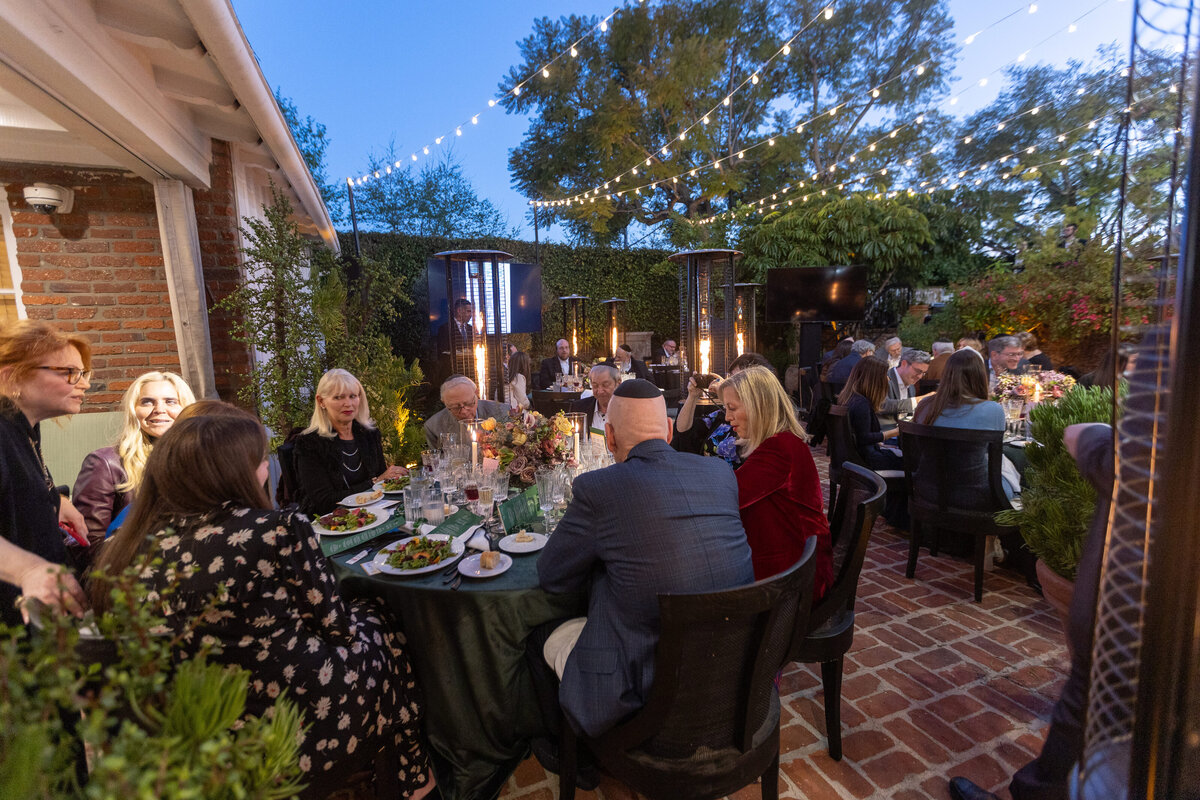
(546, 480)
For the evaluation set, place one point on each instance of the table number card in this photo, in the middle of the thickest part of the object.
(520, 511)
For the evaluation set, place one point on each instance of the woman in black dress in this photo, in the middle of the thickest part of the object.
(341, 451)
(202, 511)
(43, 374)
(863, 396)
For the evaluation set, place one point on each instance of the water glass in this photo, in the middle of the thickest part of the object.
(428, 459)
(546, 485)
(412, 503)
(448, 440)
(432, 508)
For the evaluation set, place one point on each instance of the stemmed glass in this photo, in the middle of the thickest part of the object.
(547, 480)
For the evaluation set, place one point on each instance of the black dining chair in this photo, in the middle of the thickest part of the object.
(711, 722)
(548, 402)
(830, 630)
(843, 448)
(954, 483)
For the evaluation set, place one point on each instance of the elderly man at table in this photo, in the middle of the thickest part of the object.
(891, 352)
(665, 351)
(604, 380)
(1005, 354)
(624, 361)
(858, 351)
(902, 387)
(557, 364)
(657, 521)
(941, 354)
(461, 398)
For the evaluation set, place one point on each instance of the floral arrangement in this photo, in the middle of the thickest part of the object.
(1033, 387)
(523, 444)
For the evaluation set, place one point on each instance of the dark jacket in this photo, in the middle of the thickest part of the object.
(319, 477)
(28, 506)
(637, 368)
(549, 368)
(842, 369)
(95, 494)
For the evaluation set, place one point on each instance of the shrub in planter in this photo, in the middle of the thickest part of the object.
(1058, 503)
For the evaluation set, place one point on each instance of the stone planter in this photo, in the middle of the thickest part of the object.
(1058, 592)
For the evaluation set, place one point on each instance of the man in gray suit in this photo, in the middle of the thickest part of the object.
(657, 521)
(902, 387)
(461, 398)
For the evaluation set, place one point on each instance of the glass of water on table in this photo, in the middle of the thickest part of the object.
(432, 508)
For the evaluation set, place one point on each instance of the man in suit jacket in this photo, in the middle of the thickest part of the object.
(657, 521)
(624, 361)
(665, 351)
(461, 398)
(841, 370)
(891, 352)
(456, 340)
(557, 364)
(941, 354)
(902, 387)
(604, 380)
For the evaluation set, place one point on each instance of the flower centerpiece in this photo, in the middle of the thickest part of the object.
(523, 444)
(1033, 387)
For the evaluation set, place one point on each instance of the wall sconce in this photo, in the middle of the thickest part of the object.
(614, 328)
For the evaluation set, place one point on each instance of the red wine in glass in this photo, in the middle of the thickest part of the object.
(472, 491)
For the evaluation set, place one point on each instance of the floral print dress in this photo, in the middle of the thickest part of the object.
(284, 621)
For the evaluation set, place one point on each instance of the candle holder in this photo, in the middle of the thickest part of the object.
(579, 436)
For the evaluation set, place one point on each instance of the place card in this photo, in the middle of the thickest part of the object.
(335, 545)
(457, 523)
(520, 511)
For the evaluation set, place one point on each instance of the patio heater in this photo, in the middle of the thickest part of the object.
(474, 277)
(745, 317)
(614, 331)
(706, 276)
(574, 307)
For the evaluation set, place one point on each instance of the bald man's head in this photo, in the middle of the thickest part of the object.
(636, 414)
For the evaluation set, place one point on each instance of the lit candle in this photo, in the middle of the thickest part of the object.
(474, 449)
(576, 442)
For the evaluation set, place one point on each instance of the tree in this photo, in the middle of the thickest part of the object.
(625, 98)
(437, 201)
(313, 142)
(1073, 172)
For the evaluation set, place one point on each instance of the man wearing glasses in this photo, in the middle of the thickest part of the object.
(1004, 356)
(461, 398)
(902, 386)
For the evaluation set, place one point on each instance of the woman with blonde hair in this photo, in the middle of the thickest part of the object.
(341, 451)
(779, 490)
(251, 583)
(109, 476)
(43, 374)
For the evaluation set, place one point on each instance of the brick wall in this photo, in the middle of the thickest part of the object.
(97, 271)
(217, 228)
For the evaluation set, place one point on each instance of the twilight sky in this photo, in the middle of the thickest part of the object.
(377, 71)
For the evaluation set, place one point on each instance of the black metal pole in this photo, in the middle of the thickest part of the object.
(536, 254)
(353, 219)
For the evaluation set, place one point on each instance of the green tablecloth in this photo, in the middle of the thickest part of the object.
(467, 648)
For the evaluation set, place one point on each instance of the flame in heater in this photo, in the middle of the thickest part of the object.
(481, 369)
(741, 344)
(705, 349)
(614, 340)
(574, 343)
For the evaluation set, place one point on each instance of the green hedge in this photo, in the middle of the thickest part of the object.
(643, 277)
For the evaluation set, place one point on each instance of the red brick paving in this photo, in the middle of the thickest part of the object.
(935, 685)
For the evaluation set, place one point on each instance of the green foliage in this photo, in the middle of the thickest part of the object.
(626, 95)
(273, 313)
(313, 143)
(1058, 503)
(437, 201)
(893, 237)
(153, 730)
(945, 325)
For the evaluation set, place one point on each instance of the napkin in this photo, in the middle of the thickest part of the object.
(475, 539)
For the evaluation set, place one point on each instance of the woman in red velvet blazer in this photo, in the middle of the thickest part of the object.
(779, 491)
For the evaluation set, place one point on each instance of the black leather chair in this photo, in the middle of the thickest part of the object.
(548, 402)
(830, 630)
(954, 483)
(711, 723)
(842, 448)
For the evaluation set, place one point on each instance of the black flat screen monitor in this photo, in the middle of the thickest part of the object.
(816, 294)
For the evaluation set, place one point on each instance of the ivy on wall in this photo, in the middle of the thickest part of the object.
(643, 277)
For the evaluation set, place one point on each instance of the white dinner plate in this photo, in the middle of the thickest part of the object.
(351, 500)
(381, 516)
(389, 492)
(509, 543)
(382, 556)
(469, 566)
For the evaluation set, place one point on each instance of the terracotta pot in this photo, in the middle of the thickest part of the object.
(1058, 592)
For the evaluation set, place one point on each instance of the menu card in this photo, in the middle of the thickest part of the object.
(520, 511)
(333, 545)
(457, 523)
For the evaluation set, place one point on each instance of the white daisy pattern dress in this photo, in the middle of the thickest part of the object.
(284, 621)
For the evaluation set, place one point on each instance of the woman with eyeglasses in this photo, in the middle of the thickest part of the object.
(109, 476)
(43, 374)
(341, 451)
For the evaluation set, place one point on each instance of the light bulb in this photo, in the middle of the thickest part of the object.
(458, 131)
(516, 90)
(1030, 149)
(634, 170)
(829, 12)
(475, 120)
(692, 174)
(727, 100)
(787, 48)
(376, 173)
(953, 101)
(438, 140)
(606, 186)
(892, 135)
(770, 142)
(425, 150)
(999, 126)
(741, 153)
(871, 147)
(647, 162)
(491, 103)
(800, 128)
(967, 140)
(1035, 109)
(920, 69)
(754, 79)
(920, 118)
(397, 163)
(874, 93)
(545, 72)
(883, 171)
(704, 119)
(851, 159)
(682, 135)
(1072, 28)
(971, 39)
(664, 151)
(414, 158)
(1022, 56)
(983, 81)
(1033, 8)
(603, 26)
(574, 52)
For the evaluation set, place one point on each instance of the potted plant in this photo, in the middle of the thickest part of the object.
(1058, 503)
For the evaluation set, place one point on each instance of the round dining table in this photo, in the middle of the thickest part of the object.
(467, 648)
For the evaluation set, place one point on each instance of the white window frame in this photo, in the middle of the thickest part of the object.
(10, 247)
